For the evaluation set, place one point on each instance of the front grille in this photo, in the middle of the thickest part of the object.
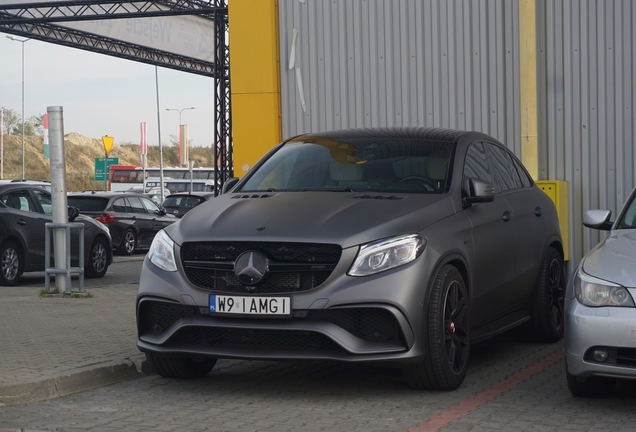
(271, 340)
(293, 267)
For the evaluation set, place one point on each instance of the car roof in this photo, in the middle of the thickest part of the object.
(436, 134)
(195, 193)
(107, 194)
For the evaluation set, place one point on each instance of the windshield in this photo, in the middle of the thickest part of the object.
(629, 216)
(382, 165)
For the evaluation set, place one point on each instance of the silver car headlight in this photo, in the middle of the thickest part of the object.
(161, 252)
(386, 254)
(595, 292)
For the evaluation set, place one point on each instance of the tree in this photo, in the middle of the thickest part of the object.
(11, 121)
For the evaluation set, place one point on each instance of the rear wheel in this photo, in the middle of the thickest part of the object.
(97, 264)
(10, 263)
(180, 367)
(128, 243)
(590, 387)
(547, 317)
(447, 339)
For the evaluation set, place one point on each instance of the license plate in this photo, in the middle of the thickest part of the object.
(222, 304)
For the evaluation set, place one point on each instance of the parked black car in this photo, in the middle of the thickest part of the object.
(24, 211)
(180, 203)
(133, 219)
(398, 245)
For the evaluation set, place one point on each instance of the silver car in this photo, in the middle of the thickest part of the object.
(600, 314)
(399, 246)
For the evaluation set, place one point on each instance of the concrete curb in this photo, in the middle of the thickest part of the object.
(75, 382)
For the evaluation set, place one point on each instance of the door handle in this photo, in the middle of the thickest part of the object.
(507, 216)
(21, 222)
(538, 212)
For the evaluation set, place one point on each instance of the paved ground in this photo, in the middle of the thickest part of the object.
(62, 352)
(58, 345)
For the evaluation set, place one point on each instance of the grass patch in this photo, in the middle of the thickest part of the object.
(55, 293)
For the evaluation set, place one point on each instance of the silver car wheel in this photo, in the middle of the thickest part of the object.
(98, 257)
(10, 263)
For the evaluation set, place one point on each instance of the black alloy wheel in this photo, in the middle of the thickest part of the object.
(447, 339)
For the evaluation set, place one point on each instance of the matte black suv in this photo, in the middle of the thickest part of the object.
(397, 245)
(24, 211)
(133, 219)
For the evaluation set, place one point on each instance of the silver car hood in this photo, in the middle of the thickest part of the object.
(614, 259)
(342, 218)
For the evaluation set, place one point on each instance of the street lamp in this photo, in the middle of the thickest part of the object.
(22, 41)
(180, 110)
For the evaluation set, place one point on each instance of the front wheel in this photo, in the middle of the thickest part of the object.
(97, 266)
(447, 338)
(180, 367)
(10, 265)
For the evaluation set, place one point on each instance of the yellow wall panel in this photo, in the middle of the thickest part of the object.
(255, 82)
(258, 128)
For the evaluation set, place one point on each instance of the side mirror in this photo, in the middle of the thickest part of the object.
(479, 191)
(229, 184)
(162, 211)
(73, 213)
(598, 219)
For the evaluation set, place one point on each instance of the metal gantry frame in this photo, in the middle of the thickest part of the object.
(38, 20)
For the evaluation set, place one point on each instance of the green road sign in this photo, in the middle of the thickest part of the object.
(102, 167)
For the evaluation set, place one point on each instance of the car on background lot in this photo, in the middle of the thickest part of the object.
(180, 203)
(600, 311)
(41, 183)
(24, 211)
(133, 219)
(400, 246)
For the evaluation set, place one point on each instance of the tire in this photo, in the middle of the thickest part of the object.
(97, 264)
(447, 336)
(180, 367)
(11, 264)
(546, 324)
(128, 243)
(590, 387)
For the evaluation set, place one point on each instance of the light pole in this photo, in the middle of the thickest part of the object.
(180, 110)
(22, 41)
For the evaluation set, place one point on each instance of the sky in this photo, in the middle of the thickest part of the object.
(104, 95)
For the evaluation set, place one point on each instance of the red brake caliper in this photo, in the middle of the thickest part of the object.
(450, 328)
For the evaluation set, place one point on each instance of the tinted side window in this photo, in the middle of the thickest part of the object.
(20, 200)
(45, 201)
(476, 164)
(506, 177)
(151, 207)
(120, 205)
(526, 180)
(135, 205)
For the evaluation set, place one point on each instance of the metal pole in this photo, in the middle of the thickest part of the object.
(23, 109)
(159, 130)
(58, 188)
(179, 135)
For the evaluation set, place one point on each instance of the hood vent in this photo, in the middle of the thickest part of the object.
(379, 197)
(243, 196)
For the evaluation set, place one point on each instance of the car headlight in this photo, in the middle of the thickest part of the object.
(594, 292)
(386, 254)
(161, 252)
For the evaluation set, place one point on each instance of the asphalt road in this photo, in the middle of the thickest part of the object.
(511, 385)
